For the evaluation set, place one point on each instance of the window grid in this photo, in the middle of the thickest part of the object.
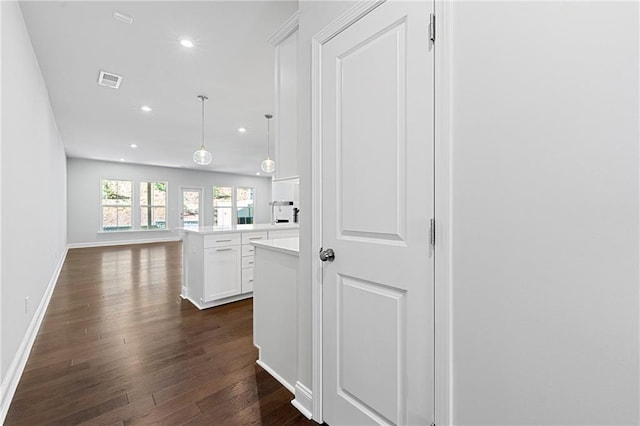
(116, 204)
(223, 206)
(245, 205)
(153, 205)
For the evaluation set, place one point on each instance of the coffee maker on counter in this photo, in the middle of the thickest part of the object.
(284, 212)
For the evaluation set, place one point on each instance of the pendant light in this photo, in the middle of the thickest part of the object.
(202, 156)
(268, 165)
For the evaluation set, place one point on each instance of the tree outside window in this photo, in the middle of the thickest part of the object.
(116, 205)
(153, 205)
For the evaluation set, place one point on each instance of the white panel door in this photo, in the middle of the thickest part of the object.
(191, 206)
(377, 178)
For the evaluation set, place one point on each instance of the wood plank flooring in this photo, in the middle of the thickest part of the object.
(118, 346)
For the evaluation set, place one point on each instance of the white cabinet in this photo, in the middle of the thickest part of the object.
(221, 272)
(285, 42)
(219, 266)
(275, 317)
(212, 269)
(248, 257)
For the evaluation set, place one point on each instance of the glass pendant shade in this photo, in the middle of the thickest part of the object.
(268, 165)
(202, 157)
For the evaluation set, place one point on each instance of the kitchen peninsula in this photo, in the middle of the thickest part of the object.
(219, 262)
(275, 321)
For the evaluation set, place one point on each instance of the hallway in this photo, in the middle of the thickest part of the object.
(119, 346)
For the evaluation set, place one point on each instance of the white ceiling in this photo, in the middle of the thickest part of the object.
(231, 63)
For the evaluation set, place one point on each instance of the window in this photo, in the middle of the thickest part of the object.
(153, 205)
(116, 205)
(222, 206)
(244, 200)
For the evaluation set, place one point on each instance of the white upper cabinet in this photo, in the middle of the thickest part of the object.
(285, 42)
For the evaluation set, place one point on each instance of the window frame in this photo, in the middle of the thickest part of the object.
(252, 207)
(130, 206)
(140, 206)
(234, 219)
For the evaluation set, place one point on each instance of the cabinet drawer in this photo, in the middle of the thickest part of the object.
(248, 261)
(247, 237)
(221, 240)
(248, 250)
(286, 233)
(247, 280)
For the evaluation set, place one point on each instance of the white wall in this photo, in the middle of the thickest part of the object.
(33, 189)
(84, 196)
(545, 214)
(314, 16)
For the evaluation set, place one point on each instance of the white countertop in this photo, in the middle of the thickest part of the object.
(283, 245)
(203, 230)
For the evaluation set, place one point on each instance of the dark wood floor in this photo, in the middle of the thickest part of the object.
(119, 346)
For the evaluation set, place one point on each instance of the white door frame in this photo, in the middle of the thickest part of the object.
(443, 388)
(200, 204)
(442, 158)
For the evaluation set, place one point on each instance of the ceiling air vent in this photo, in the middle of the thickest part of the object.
(110, 80)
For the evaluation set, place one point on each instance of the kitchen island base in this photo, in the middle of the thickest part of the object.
(218, 262)
(275, 308)
(213, 304)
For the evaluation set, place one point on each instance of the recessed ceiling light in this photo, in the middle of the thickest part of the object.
(122, 159)
(185, 42)
(241, 129)
(146, 108)
(133, 145)
(257, 173)
(119, 16)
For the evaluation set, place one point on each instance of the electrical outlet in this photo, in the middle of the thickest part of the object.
(26, 305)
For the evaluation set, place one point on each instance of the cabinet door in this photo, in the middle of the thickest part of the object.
(221, 272)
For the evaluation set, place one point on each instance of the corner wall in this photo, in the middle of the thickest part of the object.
(545, 213)
(84, 196)
(33, 205)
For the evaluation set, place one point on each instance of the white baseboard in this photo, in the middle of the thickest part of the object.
(207, 305)
(303, 400)
(15, 370)
(276, 376)
(122, 242)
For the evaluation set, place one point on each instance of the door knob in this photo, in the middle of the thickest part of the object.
(327, 255)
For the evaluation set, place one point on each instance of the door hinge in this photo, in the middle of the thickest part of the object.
(432, 27)
(432, 232)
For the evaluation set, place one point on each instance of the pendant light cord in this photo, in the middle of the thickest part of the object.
(202, 146)
(268, 136)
